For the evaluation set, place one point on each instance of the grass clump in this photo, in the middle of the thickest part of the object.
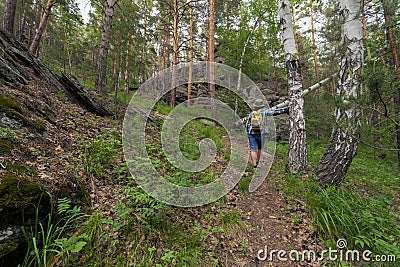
(100, 155)
(362, 210)
(47, 243)
(365, 223)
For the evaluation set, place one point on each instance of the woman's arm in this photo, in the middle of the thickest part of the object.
(274, 112)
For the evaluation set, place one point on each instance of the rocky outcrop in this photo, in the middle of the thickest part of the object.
(33, 137)
(81, 95)
(19, 66)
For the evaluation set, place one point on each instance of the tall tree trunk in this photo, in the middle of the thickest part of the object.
(116, 74)
(190, 53)
(21, 34)
(295, 41)
(342, 146)
(379, 33)
(363, 19)
(211, 55)
(167, 50)
(128, 49)
(10, 7)
(175, 52)
(144, 43)
(101, 63)
(313, 42)
(389, 13)
(297, 158)
(42, 26)
(161, 53)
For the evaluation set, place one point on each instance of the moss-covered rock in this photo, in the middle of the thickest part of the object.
(20, 198)
(5, 146)
(76, 192)
(10, 110)
(7, 247)
(8, 102)
(19, 195)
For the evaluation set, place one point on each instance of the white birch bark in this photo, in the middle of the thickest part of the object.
(297, 156)
(342, 146)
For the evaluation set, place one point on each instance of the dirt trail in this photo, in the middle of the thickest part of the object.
(271, 223)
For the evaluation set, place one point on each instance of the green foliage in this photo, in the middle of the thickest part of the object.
(141, 205)
(243, 185)
(379, 112)
(163, 109)
(319, 113)
(257, 24)
(230, 219)
(189, 139)
(100, 154)
(62, 96)
(363, 222)
(6, 133)
(361, 210)
(124, 98)
(45, 240)
(6, 146)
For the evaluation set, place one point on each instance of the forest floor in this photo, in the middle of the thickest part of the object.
(240, 229)
(267, 219)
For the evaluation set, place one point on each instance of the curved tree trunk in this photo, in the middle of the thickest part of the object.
(297, 158)
(342, 146)
(9, 15)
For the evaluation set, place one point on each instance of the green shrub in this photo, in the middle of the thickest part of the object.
(47, 240)
(99, 155)
(365, 223)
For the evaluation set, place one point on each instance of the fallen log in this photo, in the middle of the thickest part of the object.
(306, 91)
(81, 95)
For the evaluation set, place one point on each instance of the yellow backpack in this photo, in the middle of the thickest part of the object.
(256, 121)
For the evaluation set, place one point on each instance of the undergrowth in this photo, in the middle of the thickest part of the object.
(48, 240)
(363, 210)
(143, 231)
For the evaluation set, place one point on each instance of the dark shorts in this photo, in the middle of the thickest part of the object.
(256, 142)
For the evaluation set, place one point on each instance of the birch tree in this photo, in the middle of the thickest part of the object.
(297, 157)
(342, 146)
(313, 41)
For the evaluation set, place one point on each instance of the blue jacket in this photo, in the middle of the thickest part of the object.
(265, 112)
